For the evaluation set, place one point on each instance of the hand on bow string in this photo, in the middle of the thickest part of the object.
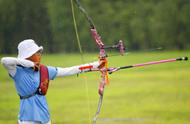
(36, 66)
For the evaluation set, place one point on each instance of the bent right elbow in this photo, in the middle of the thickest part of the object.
(6, 61)
(3, 60)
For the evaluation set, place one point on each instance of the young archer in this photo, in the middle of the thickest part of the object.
(31, 80)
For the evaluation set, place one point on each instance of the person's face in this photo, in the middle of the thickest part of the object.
(36, 57)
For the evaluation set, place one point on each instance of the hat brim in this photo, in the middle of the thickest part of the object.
(32, 53)
(40, 49)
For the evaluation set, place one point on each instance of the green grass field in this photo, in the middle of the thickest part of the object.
(158, 94)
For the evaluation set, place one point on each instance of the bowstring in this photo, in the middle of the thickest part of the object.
(82, 59)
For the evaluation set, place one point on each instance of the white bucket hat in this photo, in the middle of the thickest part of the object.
(27, 48)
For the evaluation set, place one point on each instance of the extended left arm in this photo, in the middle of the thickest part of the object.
(76, 69)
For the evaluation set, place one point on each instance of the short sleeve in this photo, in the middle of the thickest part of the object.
(52, 72)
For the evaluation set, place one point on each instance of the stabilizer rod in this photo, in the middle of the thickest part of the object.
(111, 70)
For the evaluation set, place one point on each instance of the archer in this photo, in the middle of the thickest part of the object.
(31, 80)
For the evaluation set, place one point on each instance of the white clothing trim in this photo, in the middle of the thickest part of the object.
(11, 62)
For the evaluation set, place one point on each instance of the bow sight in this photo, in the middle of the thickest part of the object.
(118, 46)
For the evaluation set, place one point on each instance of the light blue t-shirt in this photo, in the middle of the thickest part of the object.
(34, 108)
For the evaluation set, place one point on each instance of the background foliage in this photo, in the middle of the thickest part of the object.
(142, 24)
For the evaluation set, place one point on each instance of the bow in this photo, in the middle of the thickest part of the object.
(102, 57)
(104, 73)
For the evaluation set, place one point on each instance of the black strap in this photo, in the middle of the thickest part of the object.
(28, 96)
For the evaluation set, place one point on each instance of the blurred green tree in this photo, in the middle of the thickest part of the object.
(142, 24)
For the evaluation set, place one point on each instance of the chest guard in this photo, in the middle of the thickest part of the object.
(43, 85)
(44, 80)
